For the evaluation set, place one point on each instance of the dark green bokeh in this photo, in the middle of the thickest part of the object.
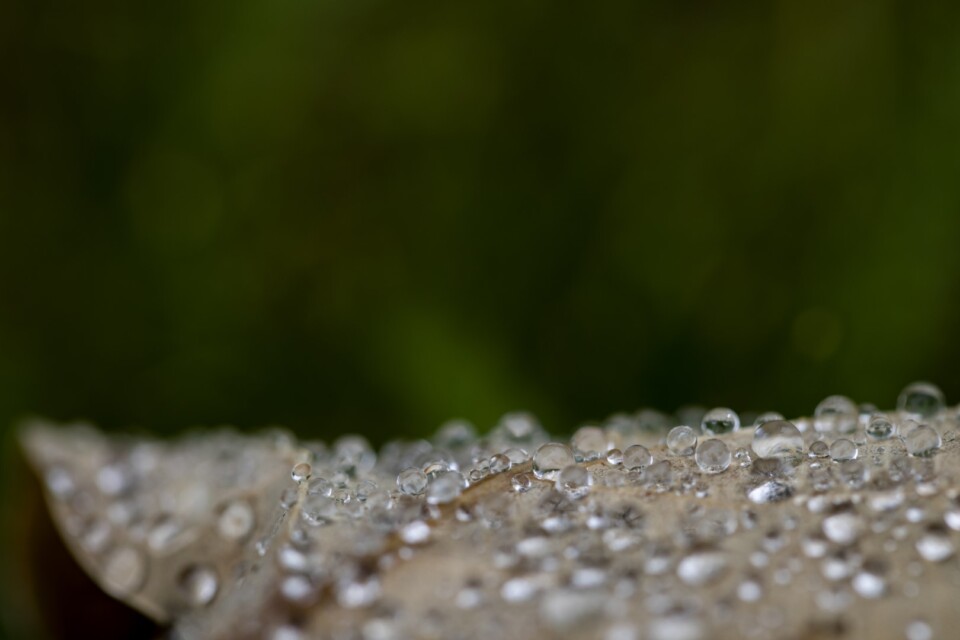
(372, 216)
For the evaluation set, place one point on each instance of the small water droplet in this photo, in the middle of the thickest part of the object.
(521, 482)
(300, 472)
(682, 441)
(919, 630)
(125, 571)
(819, 449)
(198, 584)
(880, 428)
(445, 488)
(935, 545)
(416, 532)
(772, 491)
(236, 520)
(843, 528)
(412, 481)
(713, 456)
(637, 458)
(574, 481)
(843, 449)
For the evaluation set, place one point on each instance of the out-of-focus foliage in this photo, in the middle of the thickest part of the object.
(371, 216)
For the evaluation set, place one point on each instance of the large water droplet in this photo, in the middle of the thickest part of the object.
(922, 441)
(550, 459)
(778, 439)
(720, 420)
(921, 399)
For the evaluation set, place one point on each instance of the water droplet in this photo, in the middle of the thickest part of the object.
(702, 567)
(772, 491)
(682, 441)
(713, 456)
(125, 571)
(300, 472)
(198, 584)
(416, 532)
(499, 463)
(919, 630)
(750, 590)
(412, 481)
(871, 581)
(921, 399)
(521, 482)
(880, 428)
(819, 449)
(550, 459)
(590, 441)
(574, 481)
(720, 420)
(778, 439)
(935, 545)
(566, 609)
(843, 528)
(836, 414)
(922, 442)
(318, 510)
(636, 458)
(615, 457)
(60, 482)
(445, 488)
(660, 475)
(843, 449)
(236, 521)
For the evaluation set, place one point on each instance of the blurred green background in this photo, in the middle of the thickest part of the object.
(373, 216)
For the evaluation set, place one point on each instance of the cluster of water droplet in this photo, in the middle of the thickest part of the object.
(574, 531)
